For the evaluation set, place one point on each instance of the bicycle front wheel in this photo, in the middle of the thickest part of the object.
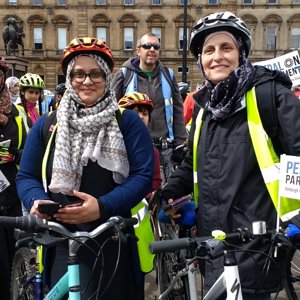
(167, 266)
(292, 286)
(22, 276)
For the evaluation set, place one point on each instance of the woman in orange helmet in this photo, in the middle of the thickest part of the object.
(100, 160)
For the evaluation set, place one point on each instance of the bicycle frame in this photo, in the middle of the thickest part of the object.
(228, 281)
(69, 281)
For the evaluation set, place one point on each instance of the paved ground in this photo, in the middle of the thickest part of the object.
(151, 289)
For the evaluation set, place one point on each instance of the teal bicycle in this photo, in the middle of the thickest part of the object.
(41, 231)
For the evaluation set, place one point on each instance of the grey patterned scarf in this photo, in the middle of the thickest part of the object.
(89, 133)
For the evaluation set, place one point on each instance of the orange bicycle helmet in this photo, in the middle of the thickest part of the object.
(132, 99)
(86, 45)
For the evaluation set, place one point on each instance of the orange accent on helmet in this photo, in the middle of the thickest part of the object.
(132, 99)
(86, 45)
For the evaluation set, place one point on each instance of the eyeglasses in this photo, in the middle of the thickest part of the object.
(95, 76)
(149, 46)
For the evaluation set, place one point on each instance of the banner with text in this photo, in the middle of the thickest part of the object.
(288, 63)
(289, 176)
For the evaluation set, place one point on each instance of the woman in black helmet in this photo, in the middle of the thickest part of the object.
(59, 91)
(225, 164)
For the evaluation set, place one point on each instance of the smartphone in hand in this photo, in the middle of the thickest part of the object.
(178, 202)
(48, 208)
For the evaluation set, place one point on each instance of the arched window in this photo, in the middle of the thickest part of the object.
(271, 24)
(179, 24)
(128, 24)
(156, 24)
(100, 24)
(37, 25)
(294, 31)
(61, 26)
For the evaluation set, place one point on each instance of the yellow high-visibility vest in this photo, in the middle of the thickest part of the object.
(267, 159)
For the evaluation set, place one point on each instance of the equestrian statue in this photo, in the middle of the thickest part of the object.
(12, 36)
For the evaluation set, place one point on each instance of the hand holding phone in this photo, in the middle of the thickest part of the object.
(178, 202)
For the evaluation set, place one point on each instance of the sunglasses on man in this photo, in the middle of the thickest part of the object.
(148, 46)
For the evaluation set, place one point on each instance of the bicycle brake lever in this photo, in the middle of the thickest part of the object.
(46, 239)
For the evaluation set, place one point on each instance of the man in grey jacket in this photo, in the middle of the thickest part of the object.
(146, 74)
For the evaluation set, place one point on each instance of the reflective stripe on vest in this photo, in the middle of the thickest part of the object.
(166, 91)
(143, 229)
(18, 120)
(266, 157)
(195, 152)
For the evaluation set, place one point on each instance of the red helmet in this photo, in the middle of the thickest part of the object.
(86, 45)
(3, 66)
(133, 99)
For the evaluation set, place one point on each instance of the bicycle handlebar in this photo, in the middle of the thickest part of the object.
(205, 246)
(166, 143)
(35, 224)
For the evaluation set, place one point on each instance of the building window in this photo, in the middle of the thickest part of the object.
(271, 38)
(296, 1)
(128, 2)
(101, 33)
(212, 2)
(295, 38)
(12, 2)
(61, 38)
(180, 37)
(157, 32)
(100, 2)
(181, 2)
(38, 38)
(128, 38)
(272, 1)
(61, 2)
(37, 2)
(247, 2)
(156, 2)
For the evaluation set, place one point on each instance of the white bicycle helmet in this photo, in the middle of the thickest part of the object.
(218, 22)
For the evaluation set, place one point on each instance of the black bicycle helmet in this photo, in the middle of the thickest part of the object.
(221, 21)
(184, 87)
(60, 89)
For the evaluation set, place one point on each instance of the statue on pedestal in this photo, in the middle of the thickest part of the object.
(12, 36)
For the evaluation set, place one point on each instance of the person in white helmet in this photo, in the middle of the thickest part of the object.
(224, 166)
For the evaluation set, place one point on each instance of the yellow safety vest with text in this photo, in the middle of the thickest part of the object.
(267, 159)
(143, 229)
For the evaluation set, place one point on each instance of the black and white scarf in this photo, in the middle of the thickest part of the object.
(89, 133)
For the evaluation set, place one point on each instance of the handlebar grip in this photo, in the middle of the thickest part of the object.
(130, 221)
(170, 245)
(28, 222)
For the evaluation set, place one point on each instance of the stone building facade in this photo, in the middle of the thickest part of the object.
(50, 24)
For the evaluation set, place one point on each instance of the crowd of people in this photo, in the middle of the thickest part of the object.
(102, 161)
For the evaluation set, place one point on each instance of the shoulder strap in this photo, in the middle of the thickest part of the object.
(265, 95)
(169, 75)
(48, 126)
(128, 76)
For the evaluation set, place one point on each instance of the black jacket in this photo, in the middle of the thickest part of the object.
(232, 192)
(9, 197)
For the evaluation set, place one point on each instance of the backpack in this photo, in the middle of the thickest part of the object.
(265, 95)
